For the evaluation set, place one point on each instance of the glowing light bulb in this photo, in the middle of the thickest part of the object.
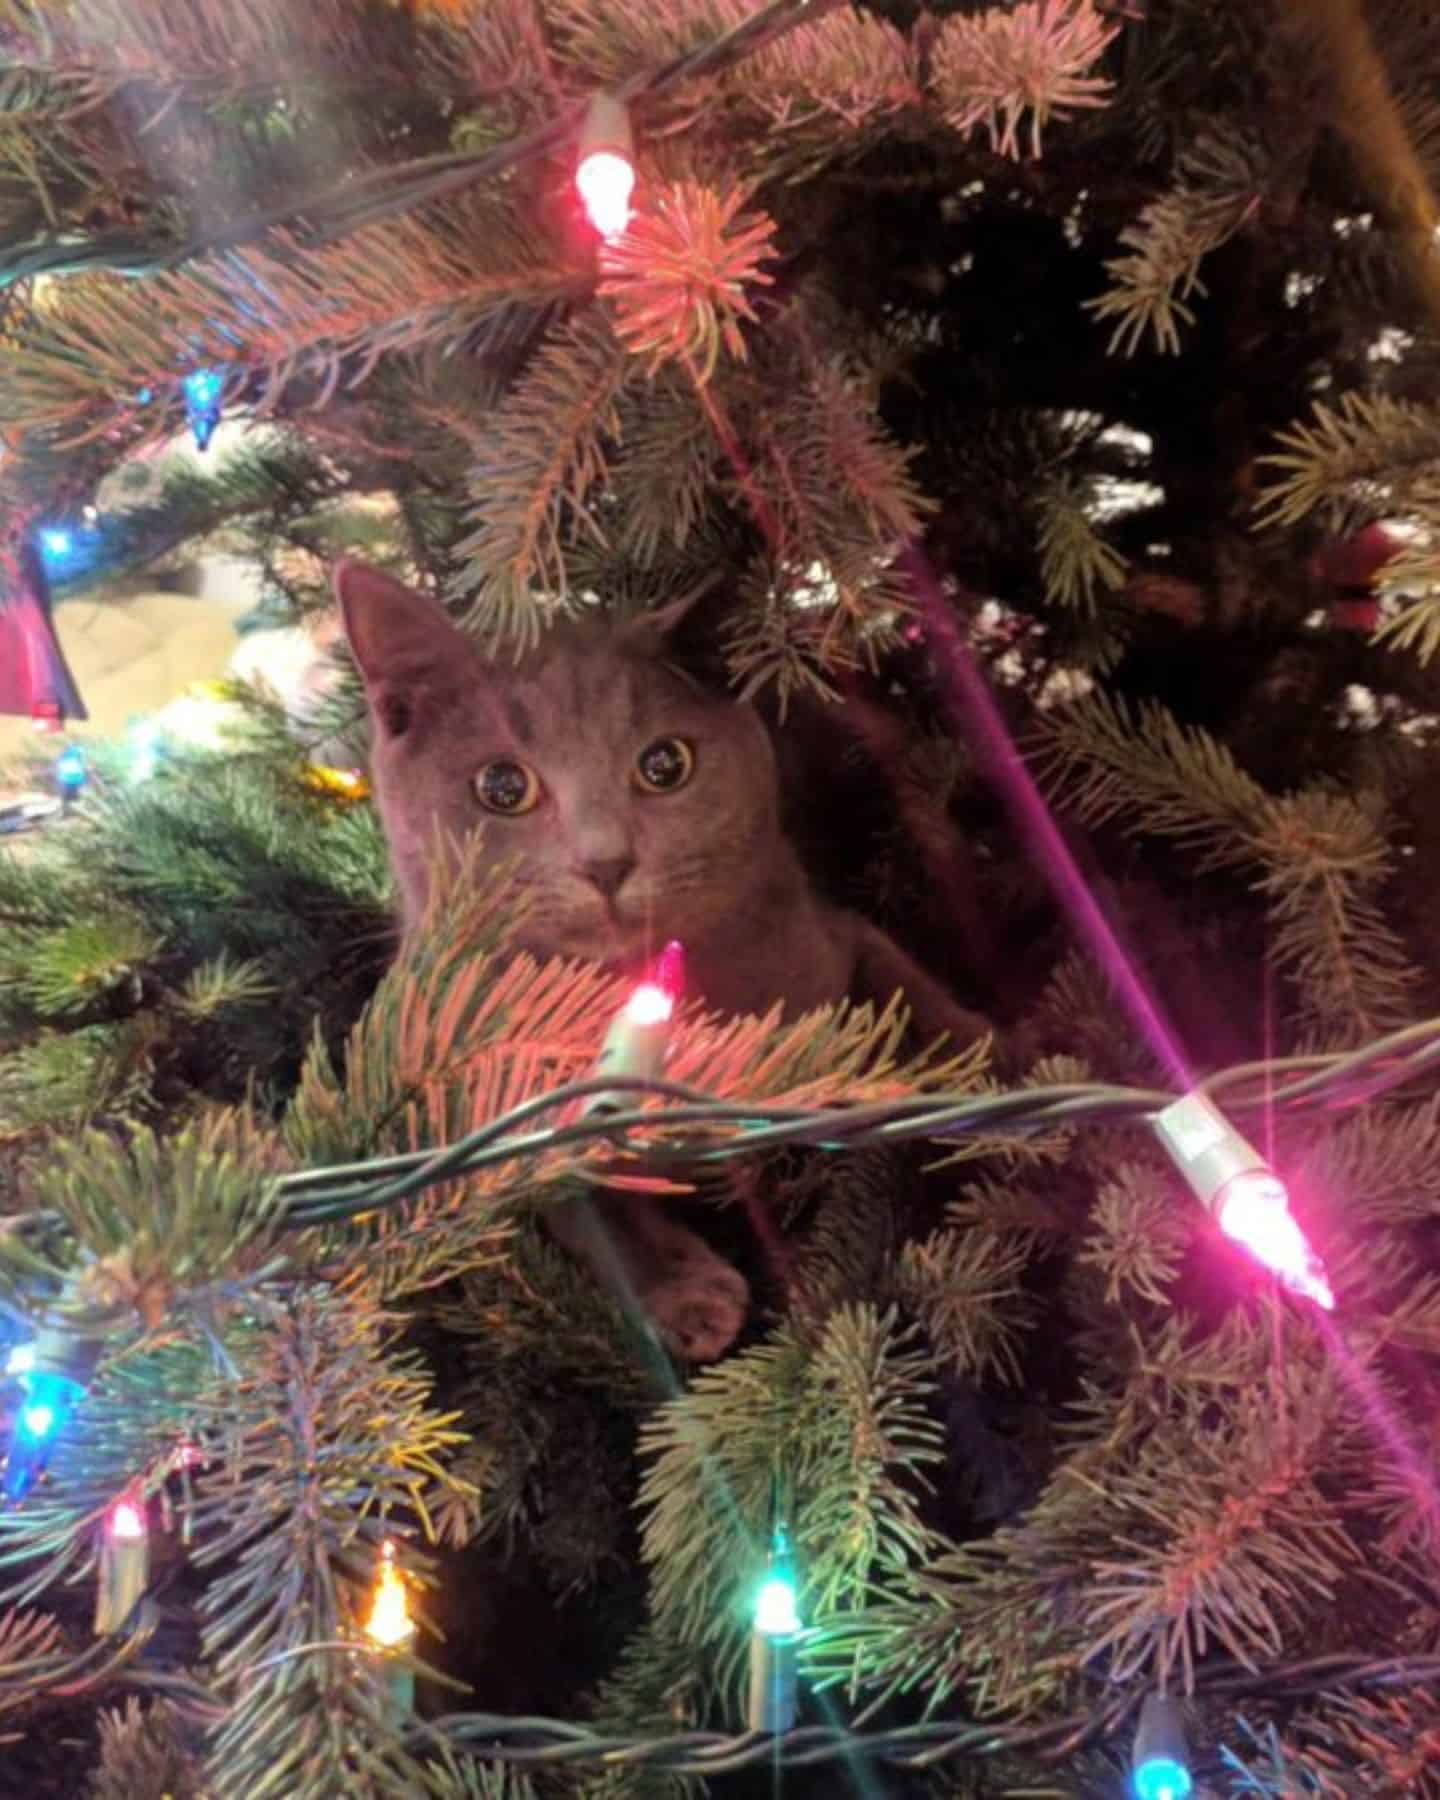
(126, 1520)
(649, 1005)
(606, 180)
(56, 543)
(1158, 1761)
(70, 771)
(1163, 1779)
(1242, 1192)
(1254, 1210)
(774, 1643)
(389, 1623)
(202, 389)
(776, 1613)
(49, 1401)
(669, 972)
(145, 743)
(39, 1419)
(653, 1002)
(21, 1359)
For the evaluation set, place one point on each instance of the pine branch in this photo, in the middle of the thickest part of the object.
(1139, 1236)
(1363, 454)
(965, 1290)
(1379, 1168)
(1325, 858)
(269, 313)
(1075, 560)
(992, 68)
(840, 1422)
(276, 482)
(97, 46)
(309, 1720)
(221, 983)
(1125, 1569)
(537, 477)
(654, 1687)
(175, 1221)
(664, 483)
(847, 69)
(466, 1778)
(67, 970)
(1153, 774)
(845, 1254)
(146, 1750)
(1322, 857)
(1152, 285)
(64, 1080)
(851, 70)
(1394, 1738)
(835, 499)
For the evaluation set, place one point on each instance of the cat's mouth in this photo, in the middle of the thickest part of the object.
(613, 931)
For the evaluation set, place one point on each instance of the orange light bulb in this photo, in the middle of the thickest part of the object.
(389, 1623)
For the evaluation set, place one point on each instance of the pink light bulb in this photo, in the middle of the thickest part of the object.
(126, 1520)
(606, 181)
(655, 1000)
(1254, 1210)
(649, 1005)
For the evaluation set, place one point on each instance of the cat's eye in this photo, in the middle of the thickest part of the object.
(665, 765)
(507, 787)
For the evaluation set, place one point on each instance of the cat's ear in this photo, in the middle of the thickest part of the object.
(654, 633)
(402, 642)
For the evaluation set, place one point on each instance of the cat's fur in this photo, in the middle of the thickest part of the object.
(612, 873)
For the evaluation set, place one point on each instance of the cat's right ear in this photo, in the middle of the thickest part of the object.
(402, 642)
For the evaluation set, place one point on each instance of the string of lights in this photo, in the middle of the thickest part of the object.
(694, 1127)
(339, 209)
(539, 1742)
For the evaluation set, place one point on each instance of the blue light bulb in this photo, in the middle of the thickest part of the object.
(55, 543)
(203, 388)
(50, 1400)
(70, 771)
(1162, 1778)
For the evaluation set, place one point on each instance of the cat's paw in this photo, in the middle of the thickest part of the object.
(700, 1307)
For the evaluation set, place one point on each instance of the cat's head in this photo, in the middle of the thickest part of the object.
(635, 803)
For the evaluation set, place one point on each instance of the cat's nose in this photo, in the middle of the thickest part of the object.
(607, 873)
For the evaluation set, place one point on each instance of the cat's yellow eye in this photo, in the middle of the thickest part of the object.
(665, 765)
(507, 787)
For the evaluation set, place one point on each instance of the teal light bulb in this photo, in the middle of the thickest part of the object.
(1162, 1778)
(776, 1613)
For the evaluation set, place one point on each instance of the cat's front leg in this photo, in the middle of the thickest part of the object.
(882, 968)
(656, 1269)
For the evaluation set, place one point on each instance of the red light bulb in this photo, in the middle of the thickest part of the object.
(606, 180)
(1254, 1209)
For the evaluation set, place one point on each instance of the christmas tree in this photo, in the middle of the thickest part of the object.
(1036, 402)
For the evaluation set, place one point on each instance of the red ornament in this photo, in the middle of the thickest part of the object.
(1352, 568)
(35, 680)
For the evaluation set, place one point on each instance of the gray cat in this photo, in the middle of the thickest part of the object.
(639, 807)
